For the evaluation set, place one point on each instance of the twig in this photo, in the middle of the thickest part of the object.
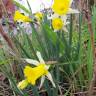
(89, 21)
(4, 35)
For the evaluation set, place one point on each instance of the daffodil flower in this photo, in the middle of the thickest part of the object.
(33, 73)
(20, 17)
(59, 22)
(63, 7)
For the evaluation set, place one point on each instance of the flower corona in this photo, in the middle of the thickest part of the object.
(57, 23)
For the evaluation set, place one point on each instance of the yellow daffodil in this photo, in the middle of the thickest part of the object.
(18, 16)
(57, 23)
(63, 7)
(39, 16)
(33, 73)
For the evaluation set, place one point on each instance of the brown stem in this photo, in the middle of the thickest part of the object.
(3, 9)
(93, 49)
(89, 21)
(5, 36)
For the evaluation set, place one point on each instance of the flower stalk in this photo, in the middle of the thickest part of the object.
(89, 21)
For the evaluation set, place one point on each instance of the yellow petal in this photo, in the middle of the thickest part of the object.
(19, 16)
(39, 16)
(23, 84)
